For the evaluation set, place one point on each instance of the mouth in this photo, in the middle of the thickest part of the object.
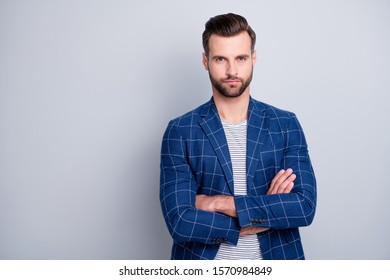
(232, 82)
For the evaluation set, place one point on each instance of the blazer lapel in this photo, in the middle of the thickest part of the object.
(212, 126)
(257, 130)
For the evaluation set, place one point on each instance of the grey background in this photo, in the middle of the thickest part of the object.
(87, 88)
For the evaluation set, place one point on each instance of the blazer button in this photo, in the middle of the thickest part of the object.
(258, 221)
(218, 240)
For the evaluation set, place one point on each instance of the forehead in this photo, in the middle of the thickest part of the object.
(238, 44)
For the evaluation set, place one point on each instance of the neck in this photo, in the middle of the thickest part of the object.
(234, 109)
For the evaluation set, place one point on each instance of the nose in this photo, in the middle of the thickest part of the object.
(231, 69)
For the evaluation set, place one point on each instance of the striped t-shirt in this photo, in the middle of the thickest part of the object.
(248, 247)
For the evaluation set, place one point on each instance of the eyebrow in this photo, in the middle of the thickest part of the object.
(244, 55)
(221, 56)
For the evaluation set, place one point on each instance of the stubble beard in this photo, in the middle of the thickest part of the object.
(231, 91)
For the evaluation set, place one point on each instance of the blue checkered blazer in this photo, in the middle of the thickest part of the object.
(195, 160)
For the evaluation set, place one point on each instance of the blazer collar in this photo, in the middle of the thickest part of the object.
(257, 129)
(212, 126)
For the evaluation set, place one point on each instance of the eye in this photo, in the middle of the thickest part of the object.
(219, 59)
(241, 59)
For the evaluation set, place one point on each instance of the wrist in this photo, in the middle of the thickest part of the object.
(225, 204)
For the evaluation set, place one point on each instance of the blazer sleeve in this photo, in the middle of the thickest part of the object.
(291, 210)
(178, 190)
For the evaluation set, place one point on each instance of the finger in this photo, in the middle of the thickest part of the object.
(279, 181)
(251, 230)
(289, 187)
(282, 183)
(276, 178)
(284, 187)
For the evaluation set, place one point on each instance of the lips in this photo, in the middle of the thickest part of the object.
(232, 82)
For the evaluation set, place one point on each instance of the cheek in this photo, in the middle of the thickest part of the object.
(216, 71)
(246, 71)
(247, 68)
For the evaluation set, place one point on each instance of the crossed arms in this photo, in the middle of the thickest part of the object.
(283, 182)
(190, 216)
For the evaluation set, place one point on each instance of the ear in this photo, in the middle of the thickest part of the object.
(254, 57)
(205, 62)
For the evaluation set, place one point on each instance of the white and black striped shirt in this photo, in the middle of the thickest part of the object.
(248, 247)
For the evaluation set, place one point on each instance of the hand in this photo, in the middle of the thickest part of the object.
(216, 203)
(251, 230)
(204, 202)
(283, 182)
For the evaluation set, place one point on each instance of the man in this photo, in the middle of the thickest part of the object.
(236, 178)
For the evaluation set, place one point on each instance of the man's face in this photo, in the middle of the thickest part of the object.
(230, 64)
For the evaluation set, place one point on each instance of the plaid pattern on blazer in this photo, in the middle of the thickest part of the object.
(195, 160)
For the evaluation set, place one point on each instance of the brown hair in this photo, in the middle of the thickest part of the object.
(227, 25)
